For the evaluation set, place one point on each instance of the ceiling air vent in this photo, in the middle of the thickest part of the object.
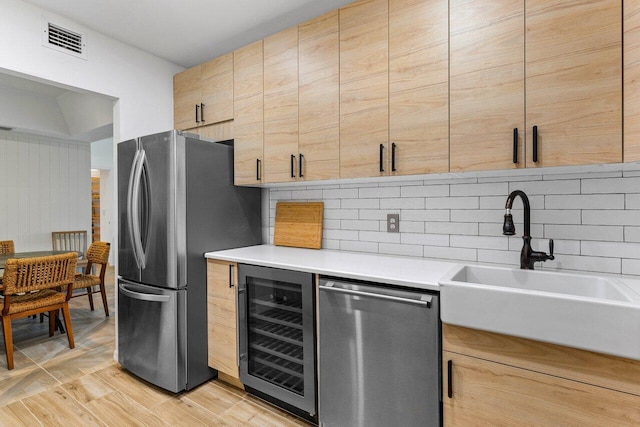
(64, 40)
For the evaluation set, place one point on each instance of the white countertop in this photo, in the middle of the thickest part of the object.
(417, 273)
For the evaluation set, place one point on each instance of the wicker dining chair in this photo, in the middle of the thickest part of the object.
(97, 254)
(37, 285)
(7, 247)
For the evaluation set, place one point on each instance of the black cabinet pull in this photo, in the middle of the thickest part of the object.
(393, 157)
(258, 169)
(293, 162)
(202, 112)
(381, 154)
(515, 145)
(231, 275)
(450, 378)
(535, 144)
(197, 111)
(300, 165)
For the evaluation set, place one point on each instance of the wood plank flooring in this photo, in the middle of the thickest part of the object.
(53, 385)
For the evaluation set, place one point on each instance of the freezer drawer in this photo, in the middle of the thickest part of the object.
(151, 334)
(379, 358)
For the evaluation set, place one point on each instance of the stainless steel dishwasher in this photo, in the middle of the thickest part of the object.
(380, 359)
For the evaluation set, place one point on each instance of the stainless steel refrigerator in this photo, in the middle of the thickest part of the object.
(176, 201)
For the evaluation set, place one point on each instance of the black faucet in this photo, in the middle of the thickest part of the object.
(527, 256)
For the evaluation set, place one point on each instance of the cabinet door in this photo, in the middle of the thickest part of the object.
(487, 84)
(217, 89)
(364, 88)
(186, 95)
(574, 81)
(222, 279)
(631, 75)
(491, 394)
(248, 112)
(418, 86)
(281, 106)
(319, 98)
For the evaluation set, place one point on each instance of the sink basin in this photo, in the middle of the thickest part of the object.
(589, 312)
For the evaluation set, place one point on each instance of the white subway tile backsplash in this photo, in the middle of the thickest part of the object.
(343, 193)
(592, 213)
(611, 249)
(453, 202)
(479, 242)
(397, 249)
(425, 239)
(355, 246)
(402, 203)
(306, 194)
(585, 201)
(341, 213)
(361, 203)
(499, 257)
(632, 234)
(611, 217)
(353, 224)
(611, 185)
(379, 236)
(461, 254)
(547, 187)
(584, 232)
(425, 191)
(379, 192)
(631, 266)
(594, 264)
(490, 189)
(462, 228)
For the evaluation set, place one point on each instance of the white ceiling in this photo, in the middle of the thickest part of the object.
(188, 32)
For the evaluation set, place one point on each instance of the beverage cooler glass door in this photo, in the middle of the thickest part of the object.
(277, 339)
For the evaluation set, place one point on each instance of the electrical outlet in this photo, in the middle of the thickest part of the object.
(393, 223)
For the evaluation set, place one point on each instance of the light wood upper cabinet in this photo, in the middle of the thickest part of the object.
(248, 113)
(487, 84)
(364, 89)
(509, 381)
(222, 280)
(574, 81)
(631, 56)
(186, 95)
(217, 89)
(281, 106)
(203, 95)
(319, 98)
(418, 86)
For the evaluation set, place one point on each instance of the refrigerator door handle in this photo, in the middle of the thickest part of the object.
(241, 323)
(143, 297)
(130, 204)
(135, 209)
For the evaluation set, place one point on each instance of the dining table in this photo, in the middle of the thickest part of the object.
(30, 254)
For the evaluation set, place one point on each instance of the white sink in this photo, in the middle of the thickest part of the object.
(588, 312)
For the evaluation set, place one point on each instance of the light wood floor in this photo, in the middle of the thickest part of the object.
(53, 385)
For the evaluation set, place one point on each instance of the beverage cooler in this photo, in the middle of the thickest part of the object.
(276, 310)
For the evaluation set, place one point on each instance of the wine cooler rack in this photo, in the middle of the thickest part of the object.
(276, 339)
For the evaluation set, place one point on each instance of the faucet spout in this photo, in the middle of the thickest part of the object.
(527, 256)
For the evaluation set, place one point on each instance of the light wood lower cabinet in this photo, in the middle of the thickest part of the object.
(497, 380)
(222, 280)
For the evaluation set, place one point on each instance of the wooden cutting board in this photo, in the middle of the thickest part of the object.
(299, 224)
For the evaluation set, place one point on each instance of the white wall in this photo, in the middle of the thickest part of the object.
(102, 154)
(107, 232)
(45, 186)
(142, 82)
(592, 213)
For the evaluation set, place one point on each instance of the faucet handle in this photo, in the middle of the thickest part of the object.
(550, 256)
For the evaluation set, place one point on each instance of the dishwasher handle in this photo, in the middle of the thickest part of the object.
(425, 300)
